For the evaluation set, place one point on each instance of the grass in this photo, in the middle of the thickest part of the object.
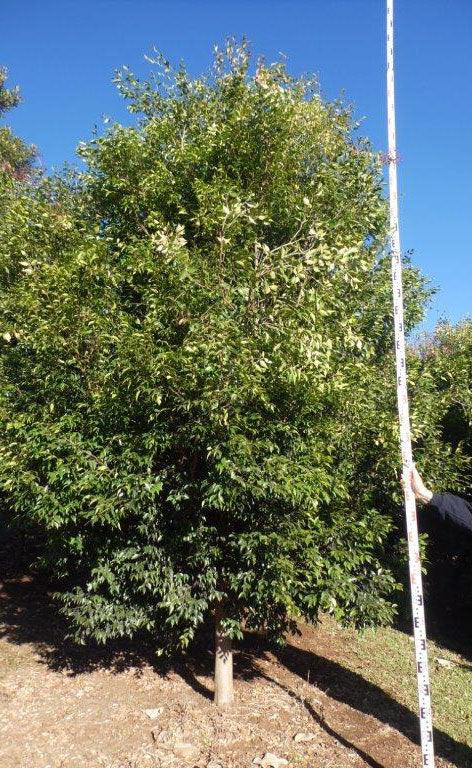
(385, 657)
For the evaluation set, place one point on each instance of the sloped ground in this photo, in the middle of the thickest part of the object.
(350, 700)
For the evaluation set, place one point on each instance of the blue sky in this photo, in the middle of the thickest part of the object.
(63, 54)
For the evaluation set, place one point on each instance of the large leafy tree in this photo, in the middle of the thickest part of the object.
(187, 360)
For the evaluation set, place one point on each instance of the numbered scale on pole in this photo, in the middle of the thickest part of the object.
(416, 587)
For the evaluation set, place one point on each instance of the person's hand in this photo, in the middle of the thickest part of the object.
(418, 487)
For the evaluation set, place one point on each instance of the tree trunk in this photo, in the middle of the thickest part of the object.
(224, 695)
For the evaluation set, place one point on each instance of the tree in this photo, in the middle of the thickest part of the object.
(16, 158)
(184, 351)
(16, 173)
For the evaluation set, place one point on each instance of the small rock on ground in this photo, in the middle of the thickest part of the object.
(446, 663)
(304, 737)
(153, 713)
(270, 761)
(186, 750)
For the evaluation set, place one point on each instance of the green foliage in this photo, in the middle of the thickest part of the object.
(442, 366)
(440, 389)
(16, 157)
(9, 97)
(193, 345)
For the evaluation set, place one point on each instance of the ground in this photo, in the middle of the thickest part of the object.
(329, 699)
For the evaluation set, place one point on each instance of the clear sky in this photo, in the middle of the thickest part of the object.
(63, 53)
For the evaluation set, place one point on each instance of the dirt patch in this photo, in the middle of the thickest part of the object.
(63, 707)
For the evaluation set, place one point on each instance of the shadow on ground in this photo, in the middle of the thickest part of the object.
(351, 688)
(30, 616)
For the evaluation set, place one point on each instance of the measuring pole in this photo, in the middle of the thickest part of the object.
(417, 602)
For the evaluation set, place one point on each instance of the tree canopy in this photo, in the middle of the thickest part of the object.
(192, 344)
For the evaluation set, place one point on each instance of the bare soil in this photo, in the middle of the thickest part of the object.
(68, 707)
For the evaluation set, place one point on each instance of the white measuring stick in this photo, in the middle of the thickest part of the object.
(417, 602)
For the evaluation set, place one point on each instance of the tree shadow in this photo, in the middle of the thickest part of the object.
(321, 721)
(351, 688)
(30, 616)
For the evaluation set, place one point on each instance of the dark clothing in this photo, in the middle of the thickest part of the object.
(453, 509)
